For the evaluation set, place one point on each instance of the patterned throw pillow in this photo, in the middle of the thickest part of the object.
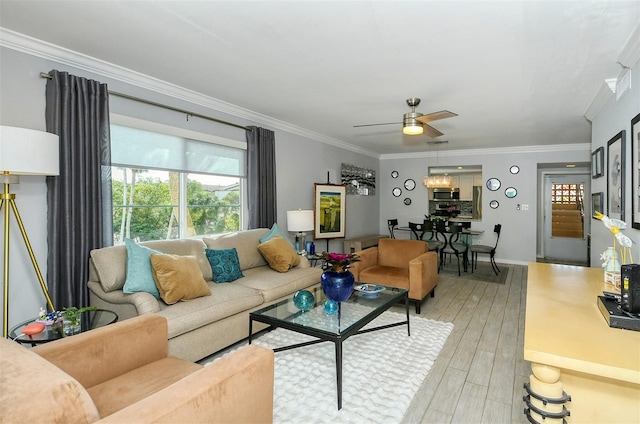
(139, 274)
(224, 264)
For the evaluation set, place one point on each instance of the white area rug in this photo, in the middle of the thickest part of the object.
(382, 371)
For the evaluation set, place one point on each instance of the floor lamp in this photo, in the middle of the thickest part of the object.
(23, 152)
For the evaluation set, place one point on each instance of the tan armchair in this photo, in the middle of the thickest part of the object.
(121, 374)
(399, 263)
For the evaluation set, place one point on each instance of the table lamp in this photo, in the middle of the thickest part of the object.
(300, 221)
(23, 152)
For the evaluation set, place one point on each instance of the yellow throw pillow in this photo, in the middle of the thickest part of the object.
(279, 254)
(178, 277)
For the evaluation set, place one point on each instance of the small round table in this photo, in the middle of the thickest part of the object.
(88, 321)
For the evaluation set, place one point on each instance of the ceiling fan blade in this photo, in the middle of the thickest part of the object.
(430, 131)
(373, 125)
(435, 116)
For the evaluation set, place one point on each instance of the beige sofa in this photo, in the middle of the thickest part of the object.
(121, 373)
(202, 326)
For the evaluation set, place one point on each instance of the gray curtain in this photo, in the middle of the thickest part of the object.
(261, 177)
(79, 199)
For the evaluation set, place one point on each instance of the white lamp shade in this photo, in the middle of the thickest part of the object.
(28, 152)
(300, 220)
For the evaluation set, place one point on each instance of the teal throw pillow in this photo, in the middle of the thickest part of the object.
(275, 230)
(139, 274)
(224, 264)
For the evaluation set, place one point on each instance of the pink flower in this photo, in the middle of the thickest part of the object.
(339, 261)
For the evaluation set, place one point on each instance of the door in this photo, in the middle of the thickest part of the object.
(566, 218)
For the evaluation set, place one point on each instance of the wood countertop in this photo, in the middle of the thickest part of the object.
(564, 327)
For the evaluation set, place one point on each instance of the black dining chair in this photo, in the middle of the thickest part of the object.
(392, 224)
(432, 239)
(487, 250)
(454, 246)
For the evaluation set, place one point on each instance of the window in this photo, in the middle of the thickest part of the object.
(567, 210)
(166, 186)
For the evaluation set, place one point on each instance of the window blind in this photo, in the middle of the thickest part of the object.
(134, 147)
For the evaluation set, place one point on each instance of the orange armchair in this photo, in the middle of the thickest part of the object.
(400, 263)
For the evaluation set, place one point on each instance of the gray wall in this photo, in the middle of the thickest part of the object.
(301, 162)
(519, 227)
(614, 117)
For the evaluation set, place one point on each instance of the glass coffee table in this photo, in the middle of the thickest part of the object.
(353, 314)
(88, 321)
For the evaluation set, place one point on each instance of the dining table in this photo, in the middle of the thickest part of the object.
(445, 231)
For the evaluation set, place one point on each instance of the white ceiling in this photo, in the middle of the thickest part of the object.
(518, 73)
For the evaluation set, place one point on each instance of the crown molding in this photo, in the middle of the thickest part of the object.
(630, 53)
(577, 147)
(42, 49)
(601, 98)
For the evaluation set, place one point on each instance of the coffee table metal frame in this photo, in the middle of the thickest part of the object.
(397, 295)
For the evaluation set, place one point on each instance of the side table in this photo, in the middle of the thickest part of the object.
(88, 321)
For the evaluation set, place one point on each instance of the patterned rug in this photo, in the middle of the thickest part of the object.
(483, 272)
(373, 363)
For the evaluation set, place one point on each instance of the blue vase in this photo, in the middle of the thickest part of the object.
(336, 285)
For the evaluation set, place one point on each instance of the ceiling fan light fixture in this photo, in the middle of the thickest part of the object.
(410, 125)
(415, 129)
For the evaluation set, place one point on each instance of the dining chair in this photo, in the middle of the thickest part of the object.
(435, 244)
(392, 224)
(454, 246)
(487, 250)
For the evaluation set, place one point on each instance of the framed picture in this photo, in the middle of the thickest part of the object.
(635, 172)
(596, 203)
(597, 163)
(615, 176)
(329, 211)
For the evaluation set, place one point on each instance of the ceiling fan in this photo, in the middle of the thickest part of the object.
(415, 123)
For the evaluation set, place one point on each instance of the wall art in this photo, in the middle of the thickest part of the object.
(616, 176)
(357, 180)
(330, 211)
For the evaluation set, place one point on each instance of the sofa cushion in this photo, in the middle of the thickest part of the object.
(139, 274)
(386, 275)
(225, 300)
(279, 254)
(34, 390)
(127, 389)
(274, 285)
(178, 277)
(246, 243)
(109, 262)
(225, 264)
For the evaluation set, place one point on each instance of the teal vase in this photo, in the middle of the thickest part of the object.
(337, 286)
(303, 300)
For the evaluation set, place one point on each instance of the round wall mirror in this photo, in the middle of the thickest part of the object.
(397, 191)
(514, 169)
(511, 192)
(409, 184)
(493, 184)
(407, 201)
(394, 174)
(494, 204)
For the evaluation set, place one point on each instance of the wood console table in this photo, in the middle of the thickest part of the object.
(572, 348)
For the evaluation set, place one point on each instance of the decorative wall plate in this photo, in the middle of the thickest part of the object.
(394, 174)
(494, 204)
(397, 191)
(407, 201)
(511, 192)
(514, 169)
(493, 184)
(409, 184)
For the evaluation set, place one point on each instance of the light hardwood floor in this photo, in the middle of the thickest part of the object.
(479, 374)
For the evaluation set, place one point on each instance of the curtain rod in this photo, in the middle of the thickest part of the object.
(175, 109)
